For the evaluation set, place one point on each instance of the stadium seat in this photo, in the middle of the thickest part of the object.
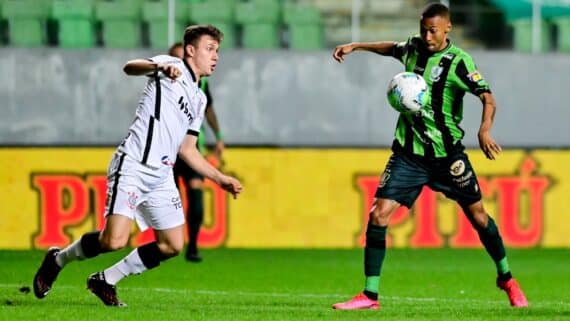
(3, 27)
(519, 14)
(522, 40)
(260, 21)
(305, 27)
(229, 31)
(26, 22)
(121, 22)
(516, 9)
(156, 15)
(219, 13)
(260, 36)
(76, 23)
(563, 38)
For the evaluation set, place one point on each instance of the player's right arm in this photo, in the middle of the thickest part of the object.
(382, 47)
(487, 143)
(140, 67)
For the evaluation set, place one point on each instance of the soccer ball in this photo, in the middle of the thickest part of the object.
(407, 92)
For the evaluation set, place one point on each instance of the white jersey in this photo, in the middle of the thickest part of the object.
(168, 110)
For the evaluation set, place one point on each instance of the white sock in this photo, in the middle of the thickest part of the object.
(71, 253)
(131, 264)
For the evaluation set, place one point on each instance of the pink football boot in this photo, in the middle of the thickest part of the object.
(360, 301)
(514, 291)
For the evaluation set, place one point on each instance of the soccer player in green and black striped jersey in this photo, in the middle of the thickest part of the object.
(427, 148)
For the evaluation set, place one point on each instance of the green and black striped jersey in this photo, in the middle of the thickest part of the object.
(434, 130)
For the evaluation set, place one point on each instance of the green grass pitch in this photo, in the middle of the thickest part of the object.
(291, 285)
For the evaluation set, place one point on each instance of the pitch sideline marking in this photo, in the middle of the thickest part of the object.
(304, 295)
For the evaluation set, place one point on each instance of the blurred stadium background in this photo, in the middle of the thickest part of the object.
(279, 24)
(307, 136)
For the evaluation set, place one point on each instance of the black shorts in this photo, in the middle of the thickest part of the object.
(405, 175)
(181, 169)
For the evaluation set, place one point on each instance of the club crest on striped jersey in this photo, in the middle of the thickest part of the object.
(436, 73)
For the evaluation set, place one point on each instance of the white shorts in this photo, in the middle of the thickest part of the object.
(143, 194)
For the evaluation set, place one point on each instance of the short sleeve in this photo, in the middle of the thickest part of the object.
(400, 50)
(165, 59)
(403, 49)
(469, 78)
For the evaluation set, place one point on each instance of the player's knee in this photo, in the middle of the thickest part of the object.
(382, 211)
(480, 219)
(478, 216)
(379, 217)
(113, 243)
(171, 249)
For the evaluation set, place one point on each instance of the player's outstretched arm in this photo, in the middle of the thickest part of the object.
(140, 67)
(486, 142)
(192, 156)
(381, 47)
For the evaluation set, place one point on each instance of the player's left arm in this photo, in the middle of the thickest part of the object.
(190, 154)
(469, 79)
(486, 142)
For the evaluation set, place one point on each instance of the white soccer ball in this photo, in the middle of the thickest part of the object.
(407, 92)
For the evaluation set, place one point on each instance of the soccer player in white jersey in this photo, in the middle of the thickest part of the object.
(140, 185)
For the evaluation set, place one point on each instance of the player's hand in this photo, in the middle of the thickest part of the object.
(488, 145)
(231, 185)
(341, 51)
(169, 71)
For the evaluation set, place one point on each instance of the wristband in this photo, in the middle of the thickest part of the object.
(218, 135)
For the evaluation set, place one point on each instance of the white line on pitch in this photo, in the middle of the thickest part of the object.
(303, 295)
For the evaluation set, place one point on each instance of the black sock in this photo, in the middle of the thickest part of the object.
(375, 249)
(195, 217)
(150, 255)
(492, 240)
(493, 243)
(504, 277)
(374, 254)
(90, 244)
(371, 295)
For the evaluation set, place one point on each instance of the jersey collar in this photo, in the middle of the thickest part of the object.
(190, 70)
(444, 50)
(446, 47)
